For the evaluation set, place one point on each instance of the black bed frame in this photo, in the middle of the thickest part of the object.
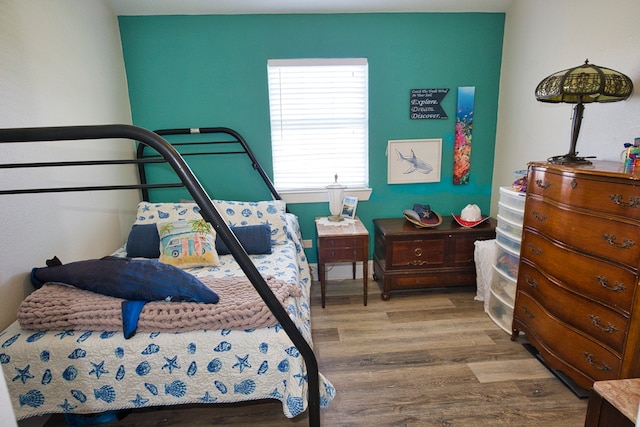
(164, 152)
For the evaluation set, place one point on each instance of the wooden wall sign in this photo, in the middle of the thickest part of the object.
(425, 104)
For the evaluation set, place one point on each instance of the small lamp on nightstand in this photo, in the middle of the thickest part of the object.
(335, 191)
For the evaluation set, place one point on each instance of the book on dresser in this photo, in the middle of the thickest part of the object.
(577, 281)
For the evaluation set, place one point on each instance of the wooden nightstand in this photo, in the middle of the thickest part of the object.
(346, 241)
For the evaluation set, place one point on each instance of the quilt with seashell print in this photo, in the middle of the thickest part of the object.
(79, 372)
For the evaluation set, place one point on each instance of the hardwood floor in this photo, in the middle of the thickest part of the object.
(428, 358)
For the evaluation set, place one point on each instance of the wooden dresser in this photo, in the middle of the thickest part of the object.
(407, 257)
(576, 298)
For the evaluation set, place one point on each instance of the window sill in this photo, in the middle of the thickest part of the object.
(314, 196)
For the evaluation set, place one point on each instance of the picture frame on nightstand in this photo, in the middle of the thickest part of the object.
(349, 205)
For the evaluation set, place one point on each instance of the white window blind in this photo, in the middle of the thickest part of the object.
(319, 122)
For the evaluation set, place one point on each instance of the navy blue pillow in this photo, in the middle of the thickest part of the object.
(143, 241)
(131, 279)
(256, 239)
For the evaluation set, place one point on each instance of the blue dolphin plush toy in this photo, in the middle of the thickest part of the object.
(137, 281)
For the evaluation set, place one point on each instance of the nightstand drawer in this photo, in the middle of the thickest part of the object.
(337, 254)
(342, 242)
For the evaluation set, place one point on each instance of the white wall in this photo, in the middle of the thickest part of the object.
(60, 64)
(545, 36)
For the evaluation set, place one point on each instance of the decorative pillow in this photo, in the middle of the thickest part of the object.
(270, 212)
(188, 243)
(131, 279)
(143, 241)
(151, 213)
(255, 239)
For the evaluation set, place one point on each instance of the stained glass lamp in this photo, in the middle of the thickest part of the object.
(580, 85)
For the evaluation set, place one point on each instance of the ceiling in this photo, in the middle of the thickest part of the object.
(203, 7)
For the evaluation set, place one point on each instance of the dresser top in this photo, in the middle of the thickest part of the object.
(598, 167)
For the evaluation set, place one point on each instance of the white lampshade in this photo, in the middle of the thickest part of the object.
(335, 192)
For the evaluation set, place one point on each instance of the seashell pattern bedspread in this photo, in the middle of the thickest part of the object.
(91, 371)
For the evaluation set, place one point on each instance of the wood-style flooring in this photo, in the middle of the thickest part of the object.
(427, 358)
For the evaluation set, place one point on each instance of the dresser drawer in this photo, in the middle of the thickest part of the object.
(423, 253)
(600, 236)
(610, 284)
(564, 342)
(597, 194)
(597, 321)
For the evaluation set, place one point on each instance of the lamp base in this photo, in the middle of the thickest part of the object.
(335, 218)
(569, 159)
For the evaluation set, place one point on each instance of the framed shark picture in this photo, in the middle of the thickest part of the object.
(412, 161)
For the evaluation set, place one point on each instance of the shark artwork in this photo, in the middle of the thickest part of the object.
(417, 165)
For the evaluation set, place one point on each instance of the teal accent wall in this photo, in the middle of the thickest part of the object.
(211, 70)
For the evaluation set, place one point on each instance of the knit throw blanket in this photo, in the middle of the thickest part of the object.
(60, 307)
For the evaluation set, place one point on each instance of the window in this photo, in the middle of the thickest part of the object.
(319, 123)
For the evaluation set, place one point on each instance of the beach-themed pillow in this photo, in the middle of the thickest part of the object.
(187, 244)
(270, 212)
(255, 239)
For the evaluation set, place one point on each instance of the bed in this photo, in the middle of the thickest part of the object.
(69, 352)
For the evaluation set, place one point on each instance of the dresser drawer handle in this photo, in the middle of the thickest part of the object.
(610, 329)
(626, 243)
(634, 202)
(417, 252)
(530, 314)
(539, 217)
(418, 262)
(601, 366)
(531, 282)
(534, 249)
(604, 282)
(573, 184)
(543, 184)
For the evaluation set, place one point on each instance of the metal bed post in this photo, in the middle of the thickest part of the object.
(207, 210)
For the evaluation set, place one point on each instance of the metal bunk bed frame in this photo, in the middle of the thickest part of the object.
(231, 138)
(167, 153)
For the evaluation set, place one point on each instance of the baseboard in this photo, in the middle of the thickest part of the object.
(341, 271)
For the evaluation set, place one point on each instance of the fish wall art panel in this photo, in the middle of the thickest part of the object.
(412, 161)
(463, 134)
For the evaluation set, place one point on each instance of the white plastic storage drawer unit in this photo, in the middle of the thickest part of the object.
(505, 269)
(511, 198)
